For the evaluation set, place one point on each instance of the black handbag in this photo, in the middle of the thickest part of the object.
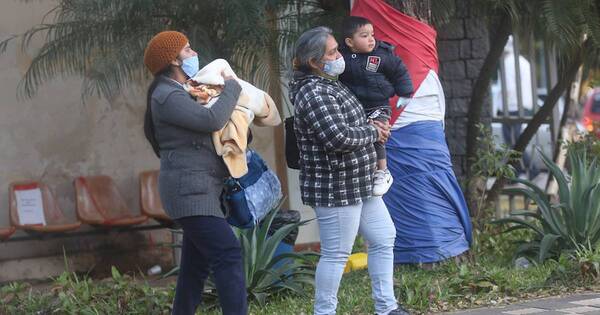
(292, 153)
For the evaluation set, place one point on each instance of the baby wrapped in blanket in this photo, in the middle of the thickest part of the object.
(254, 105)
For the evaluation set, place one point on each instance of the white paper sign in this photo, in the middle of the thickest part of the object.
(30, 207)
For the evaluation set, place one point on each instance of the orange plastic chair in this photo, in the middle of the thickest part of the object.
(56, 221)
(150, 203)
(99, 203)
(6, 232)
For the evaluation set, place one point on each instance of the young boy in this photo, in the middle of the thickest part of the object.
(374, 74)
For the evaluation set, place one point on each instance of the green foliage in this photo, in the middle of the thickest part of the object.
(71, 294)
(103, 41)
(489, 281)
(474, 284)
(492, 161)
(564, 225)
(491, 242)
(561, 23)
(588, 258)
(267, 274)
(359, 245)
(586, 142)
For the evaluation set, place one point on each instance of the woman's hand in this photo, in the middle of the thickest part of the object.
(383, 130)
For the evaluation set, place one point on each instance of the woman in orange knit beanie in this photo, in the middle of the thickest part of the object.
(192, 174)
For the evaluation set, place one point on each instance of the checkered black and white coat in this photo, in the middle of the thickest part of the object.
(337, 157)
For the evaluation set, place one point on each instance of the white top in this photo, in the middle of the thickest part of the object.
(511, 83)
(428, 103)
(510, 72)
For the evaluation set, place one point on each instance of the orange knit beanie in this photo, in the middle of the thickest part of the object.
(162, 49)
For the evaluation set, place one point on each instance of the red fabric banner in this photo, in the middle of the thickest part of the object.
(415, 41)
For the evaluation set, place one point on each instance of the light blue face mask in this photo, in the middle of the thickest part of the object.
(190, 66)
(334, 67)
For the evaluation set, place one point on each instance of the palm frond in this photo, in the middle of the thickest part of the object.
(102, 41)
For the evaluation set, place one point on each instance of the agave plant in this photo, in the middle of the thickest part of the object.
(267, 273)
(564, 225)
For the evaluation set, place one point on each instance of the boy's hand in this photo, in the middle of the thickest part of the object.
(383, 130)
(384, 125)
(402, 102)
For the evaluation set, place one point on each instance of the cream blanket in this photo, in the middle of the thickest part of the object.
(254, 105)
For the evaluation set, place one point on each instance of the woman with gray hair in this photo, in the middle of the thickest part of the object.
(337, 162)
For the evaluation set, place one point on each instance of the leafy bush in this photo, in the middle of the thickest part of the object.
(491, 161)
(267, 274)
(588, 258)
(492, 242)
(567, 224)
(587, 142)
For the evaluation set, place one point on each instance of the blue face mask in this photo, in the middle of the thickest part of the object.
(334, 67)
(190, 66)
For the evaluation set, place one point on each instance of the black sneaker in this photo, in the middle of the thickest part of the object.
(399, 311)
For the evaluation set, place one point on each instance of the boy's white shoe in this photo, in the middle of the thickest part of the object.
(382, 181)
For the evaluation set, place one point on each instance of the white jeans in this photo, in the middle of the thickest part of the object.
(338, 227)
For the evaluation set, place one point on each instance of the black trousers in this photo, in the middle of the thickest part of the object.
(210, 245)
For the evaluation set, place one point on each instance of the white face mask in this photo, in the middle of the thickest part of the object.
(334, 67)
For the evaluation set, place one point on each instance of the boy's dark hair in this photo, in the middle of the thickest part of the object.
(353, 23)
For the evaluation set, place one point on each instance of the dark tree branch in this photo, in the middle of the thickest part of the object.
(480, 89)
(503, 28)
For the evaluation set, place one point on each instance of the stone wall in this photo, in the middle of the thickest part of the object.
(463, 44)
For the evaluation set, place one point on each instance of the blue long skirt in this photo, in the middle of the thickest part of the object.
(425, 201)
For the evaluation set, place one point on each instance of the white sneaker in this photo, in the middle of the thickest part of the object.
(382, 181)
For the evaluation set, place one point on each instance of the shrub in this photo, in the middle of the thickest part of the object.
(266, 275)
(567, 224)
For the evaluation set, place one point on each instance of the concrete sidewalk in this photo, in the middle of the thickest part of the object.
(584, 304)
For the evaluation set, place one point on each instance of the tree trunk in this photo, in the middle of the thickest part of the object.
(420, 9)
(480, 90)
(482, 84)
(545, 111)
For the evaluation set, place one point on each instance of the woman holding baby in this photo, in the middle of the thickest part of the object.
(192, 174)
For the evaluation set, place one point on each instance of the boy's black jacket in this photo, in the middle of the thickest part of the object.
(376, 76)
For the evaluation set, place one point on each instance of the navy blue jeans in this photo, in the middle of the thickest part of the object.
(209, 245)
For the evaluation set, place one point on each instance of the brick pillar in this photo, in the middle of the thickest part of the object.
(463, 44)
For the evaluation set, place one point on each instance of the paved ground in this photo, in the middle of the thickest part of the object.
(584, 304)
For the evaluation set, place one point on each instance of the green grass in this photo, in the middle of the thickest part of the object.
(448, 287)
(488, 280)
